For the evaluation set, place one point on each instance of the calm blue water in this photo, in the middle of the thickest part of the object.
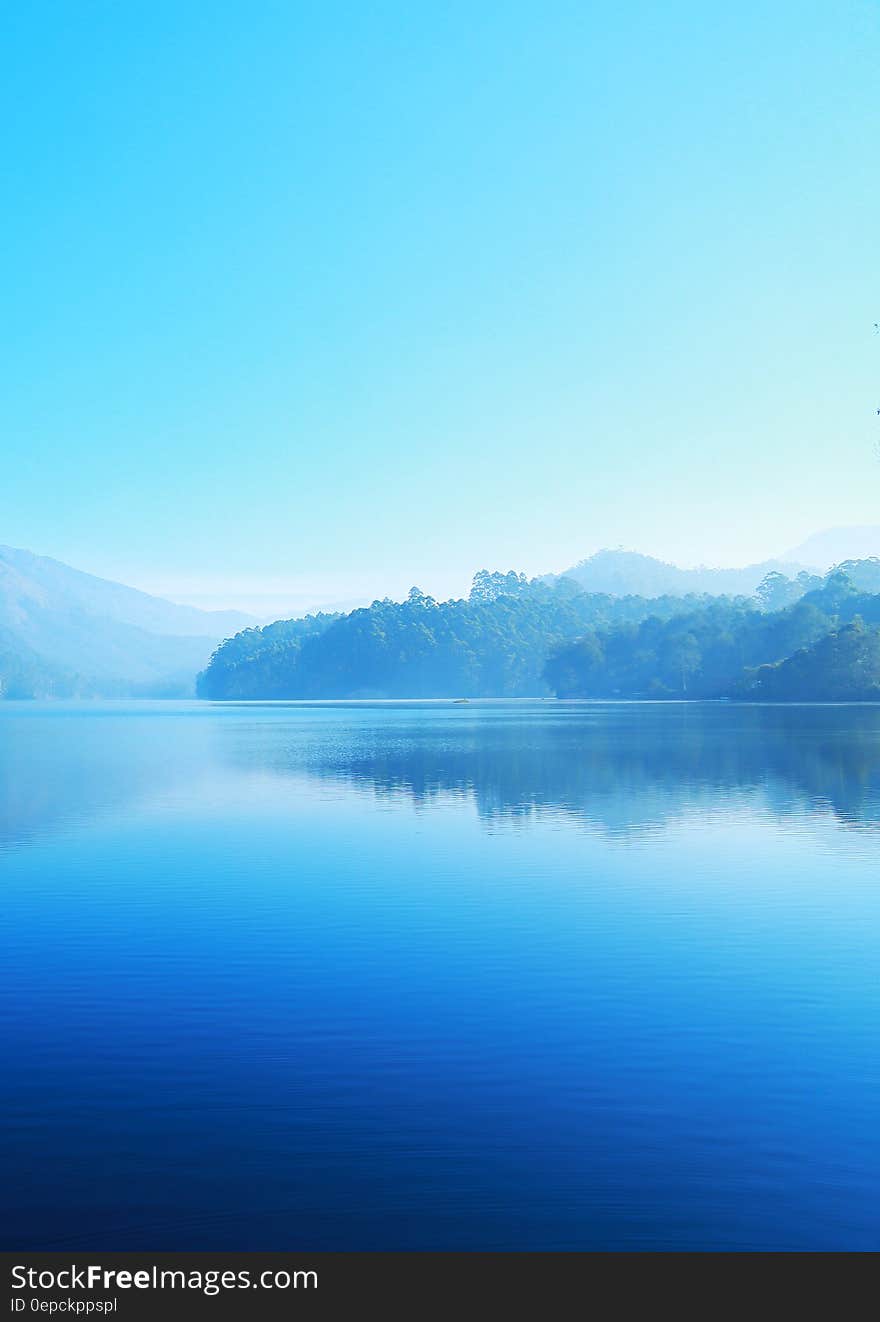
(504, 975)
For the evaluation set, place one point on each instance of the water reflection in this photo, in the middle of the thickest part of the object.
(619, 767)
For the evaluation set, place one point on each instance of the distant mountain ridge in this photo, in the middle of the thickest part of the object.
(67, 633)
(54, 583)
(824, 550)
(629, 573)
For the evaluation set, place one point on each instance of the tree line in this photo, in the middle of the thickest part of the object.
(805, 637)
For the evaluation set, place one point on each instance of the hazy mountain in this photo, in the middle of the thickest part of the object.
(64, 632)
(55, 584)
(835, 545)
(628, 573)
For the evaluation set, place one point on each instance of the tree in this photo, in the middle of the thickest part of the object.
(775, 591)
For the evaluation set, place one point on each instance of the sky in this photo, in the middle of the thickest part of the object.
(308, 303)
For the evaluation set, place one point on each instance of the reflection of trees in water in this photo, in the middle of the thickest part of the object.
(622, 767)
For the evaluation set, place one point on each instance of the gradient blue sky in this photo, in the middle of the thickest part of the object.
(309, 302)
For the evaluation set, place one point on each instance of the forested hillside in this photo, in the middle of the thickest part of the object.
(494, 644)
(514, 637)
(821, 647)
(844, 666)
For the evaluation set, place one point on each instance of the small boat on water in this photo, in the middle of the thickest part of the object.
(456, 701)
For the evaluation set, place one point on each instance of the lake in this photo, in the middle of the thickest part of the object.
(497, 975)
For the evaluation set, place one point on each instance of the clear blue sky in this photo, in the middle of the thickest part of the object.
(310, 302)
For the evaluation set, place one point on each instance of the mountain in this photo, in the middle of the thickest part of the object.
(825, 549)
(66, 633)
(57, 584)
(628, 573)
